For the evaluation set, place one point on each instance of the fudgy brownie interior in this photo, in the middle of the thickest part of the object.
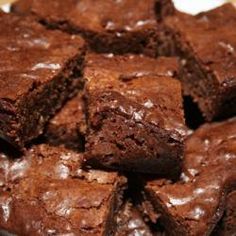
(68, 126)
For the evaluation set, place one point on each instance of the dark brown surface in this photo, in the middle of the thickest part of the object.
(131, 223)
(46, 192)
(207, 45)
(135, 116)
(227, 225)
(116, 26)
(195, 204)
(39, 70)
(68, 126)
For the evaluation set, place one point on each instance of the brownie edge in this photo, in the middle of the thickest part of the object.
(68, 126)
(107, 25)
(207, 47)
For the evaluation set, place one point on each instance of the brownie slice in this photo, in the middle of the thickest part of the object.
(207, 45)
(39, 70)
(46, 192)
(135, 116)
(117, 26)
(195, 204)
(227, 225)
(68, 126)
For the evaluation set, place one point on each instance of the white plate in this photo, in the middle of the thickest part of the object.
(6, 7)
(197, 6)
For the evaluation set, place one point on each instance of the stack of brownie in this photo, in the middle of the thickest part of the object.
(95, 136)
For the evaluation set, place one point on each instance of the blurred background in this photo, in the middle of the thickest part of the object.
(188, 6)
(196, 6)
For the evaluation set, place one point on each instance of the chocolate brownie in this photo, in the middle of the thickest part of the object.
(135, 116)
(39, 70)
(227, 225)
(68, 126)
(117, 26)
(45, 192)
(207, 45)
(195, 204)
(131, 223)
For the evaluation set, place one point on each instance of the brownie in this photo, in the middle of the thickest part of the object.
(45, 192)
(227, 225)
(117, 26)
(68, 126)
(207, 46)
(135, 117)
(195, 204)
(131, 223)
(39, 70)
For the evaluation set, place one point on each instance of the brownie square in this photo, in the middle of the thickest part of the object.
(45, 192)
(207, 46)
(117, 26)
(39, 70)
(135, 116)
(195, 204)
(68, 126)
